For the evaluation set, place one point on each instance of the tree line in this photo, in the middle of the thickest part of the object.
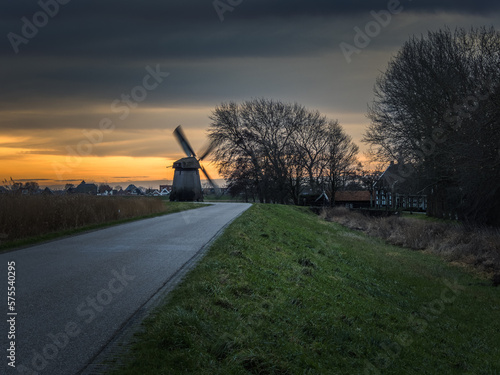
(271, 150)
(437, 111)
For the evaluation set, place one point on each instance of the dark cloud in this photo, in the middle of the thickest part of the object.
(179, 12)
(32, 179)
(91, 53)
(155, 29)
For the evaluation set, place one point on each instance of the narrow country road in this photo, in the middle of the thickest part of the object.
(72, 295)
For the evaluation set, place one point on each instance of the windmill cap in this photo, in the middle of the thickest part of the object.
(187, 163)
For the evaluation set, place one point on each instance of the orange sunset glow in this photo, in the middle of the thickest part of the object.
(54, 157)
(53, 170)
(120, 155)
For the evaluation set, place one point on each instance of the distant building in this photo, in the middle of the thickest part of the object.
(165, 189)
(47, 191)
(117, 192)
(85, 188)
(309, 198)
(353, 199)
(133, 190)
(395, 191)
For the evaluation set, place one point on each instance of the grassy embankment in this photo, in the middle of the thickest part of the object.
(26, 220)
(284, 292)
(470, 247)
(224, 198)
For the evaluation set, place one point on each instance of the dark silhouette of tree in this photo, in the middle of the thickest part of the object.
(104, 187)
(340, 158)
(31, 187)
(271, 149)
(437, 110)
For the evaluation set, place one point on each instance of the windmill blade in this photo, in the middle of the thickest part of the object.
(214, 185)
(207, 151)
(181, 138)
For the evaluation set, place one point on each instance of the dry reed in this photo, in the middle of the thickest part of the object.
(24, 216)
(478, 247)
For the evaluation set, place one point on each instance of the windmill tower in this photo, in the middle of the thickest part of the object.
(187, 185)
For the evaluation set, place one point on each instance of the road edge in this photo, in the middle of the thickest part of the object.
(109, 357)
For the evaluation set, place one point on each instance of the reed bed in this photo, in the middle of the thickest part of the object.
(23, 216)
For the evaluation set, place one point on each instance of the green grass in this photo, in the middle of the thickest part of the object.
(223, 198)
(169, 208)
(423, 216)
(284, 292)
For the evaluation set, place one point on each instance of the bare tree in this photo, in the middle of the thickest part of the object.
(104, 188)
(235, 146)
(310, 145)
(273, 149)
(436, 109)
(339, 158)
(31, 187)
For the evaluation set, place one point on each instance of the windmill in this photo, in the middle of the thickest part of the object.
(187, 185)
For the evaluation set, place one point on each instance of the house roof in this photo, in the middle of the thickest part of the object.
(131, 188)
(352, 196)
(401, 178)
(86, 188)
(47, 191)
(392, 175)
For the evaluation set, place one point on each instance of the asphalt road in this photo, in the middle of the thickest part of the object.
(73, 295)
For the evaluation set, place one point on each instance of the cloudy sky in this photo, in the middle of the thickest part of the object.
(93, 89)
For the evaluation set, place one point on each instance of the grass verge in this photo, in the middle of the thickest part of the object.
(284, 292)
(60, 228)
(476, 248)
(424, 217)
(224, 198)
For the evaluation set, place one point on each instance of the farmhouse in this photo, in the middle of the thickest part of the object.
(394, 190)
(85, 188)
(353, 199)
(133, 190)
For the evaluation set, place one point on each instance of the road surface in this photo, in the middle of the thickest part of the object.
(73, 295)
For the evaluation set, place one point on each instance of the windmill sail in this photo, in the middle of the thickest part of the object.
(187, 184)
